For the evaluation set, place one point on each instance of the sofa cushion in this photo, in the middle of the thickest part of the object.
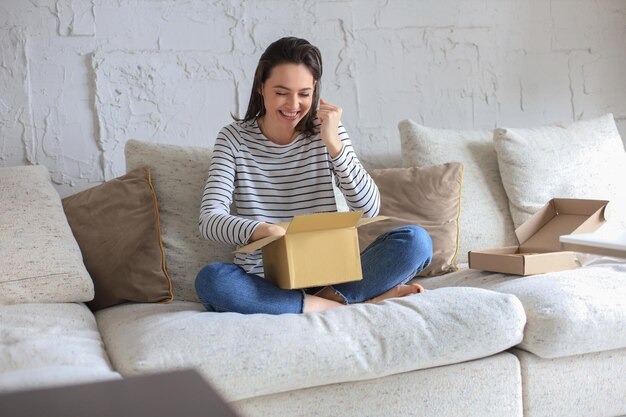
(583, 160)
(485, 220)
(179, 174)
(117, 228)
(463, 389)
(426, 196)
(252, 355)
(46, 345)
(590, 385)
(568, 312)
(40, 261)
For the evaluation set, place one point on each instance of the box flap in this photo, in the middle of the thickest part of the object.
(313, 222)
(579, 206)
(323, 221)
(258, 244)
(558, 217)
(535, 222)
(367, 220)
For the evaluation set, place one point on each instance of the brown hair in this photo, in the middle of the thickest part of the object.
(287, 50)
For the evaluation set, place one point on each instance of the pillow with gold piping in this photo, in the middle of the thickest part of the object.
(116, 225)
(429, 197)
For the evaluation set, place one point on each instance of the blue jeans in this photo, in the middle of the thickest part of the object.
(392, 259)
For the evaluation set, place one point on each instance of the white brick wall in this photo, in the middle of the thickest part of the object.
(78, 77)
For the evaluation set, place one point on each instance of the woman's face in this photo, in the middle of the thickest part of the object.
(287, 95)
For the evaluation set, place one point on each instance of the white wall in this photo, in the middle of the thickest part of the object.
(78, 77)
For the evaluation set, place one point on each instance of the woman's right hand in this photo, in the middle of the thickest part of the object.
(265, 230)
(330, 116)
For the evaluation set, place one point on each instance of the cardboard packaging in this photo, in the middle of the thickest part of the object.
(539, 248)
(316, 250)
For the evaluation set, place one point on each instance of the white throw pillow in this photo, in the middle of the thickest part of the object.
(40, 261)
(179, 174)
(485, 220)
(583, 160)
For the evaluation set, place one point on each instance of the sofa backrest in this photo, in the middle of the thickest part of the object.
(179, 174)
(40, 261)
(485, 220)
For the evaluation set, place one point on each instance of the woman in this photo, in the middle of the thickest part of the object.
(278, 162)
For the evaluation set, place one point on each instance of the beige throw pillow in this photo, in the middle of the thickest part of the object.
(583, 160)
(117, 228)
(426, 196)
(485, 219)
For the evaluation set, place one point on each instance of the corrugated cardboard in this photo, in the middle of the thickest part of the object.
(539, 248)
(316, 250)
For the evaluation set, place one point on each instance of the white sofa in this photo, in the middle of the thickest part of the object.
(475, 344)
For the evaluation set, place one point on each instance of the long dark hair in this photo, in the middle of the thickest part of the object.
(287, 50)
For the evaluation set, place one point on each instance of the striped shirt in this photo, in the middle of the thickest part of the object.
(272, 183)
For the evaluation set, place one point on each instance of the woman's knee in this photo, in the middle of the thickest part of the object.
(418, 239)
(421, 247)
(208, 281)
(206, 274)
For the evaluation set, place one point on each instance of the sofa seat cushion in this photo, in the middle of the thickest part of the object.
(590, 385)
(46, 345)
(569, 312)
(251, 355)
(464, 389)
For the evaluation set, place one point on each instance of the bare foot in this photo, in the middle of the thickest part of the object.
(399, 291)
(314, 303)
(327, 298)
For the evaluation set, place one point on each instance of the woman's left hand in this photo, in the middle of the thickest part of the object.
(330, 116)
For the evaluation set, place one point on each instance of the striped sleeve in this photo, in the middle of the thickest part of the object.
(216, 222)
(357, 186)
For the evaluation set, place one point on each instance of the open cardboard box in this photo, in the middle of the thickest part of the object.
(316, 250)
(539, 247)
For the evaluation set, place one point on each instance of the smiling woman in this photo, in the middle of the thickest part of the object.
(278, 162)
(288, 65)
(287, 98)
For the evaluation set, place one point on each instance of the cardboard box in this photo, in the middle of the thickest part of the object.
(539, 248)
(316, 250)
